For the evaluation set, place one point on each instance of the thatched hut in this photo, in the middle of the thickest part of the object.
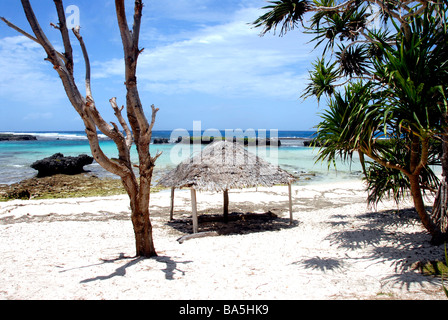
(222, 166)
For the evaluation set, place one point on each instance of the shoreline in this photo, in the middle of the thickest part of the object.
(61, 186)
(89, 184)
(338, 248)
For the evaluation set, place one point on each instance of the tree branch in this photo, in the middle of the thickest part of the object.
(40, 35)
(154, 159)
(137, 119)
(86, 59)
(384, 163)
(26, 34)
(109, 165)
(123, 25)
(65, 35)
(386, 9)
(423, 157)
(123, 123)
(341, 6)
(153, 118)
(137, 23)
(110, 131)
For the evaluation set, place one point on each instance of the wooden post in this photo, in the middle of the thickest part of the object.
(195, 210)
(172, 204)
(290, 203)
(226, 206)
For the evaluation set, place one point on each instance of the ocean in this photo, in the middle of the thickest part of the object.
(17, 156)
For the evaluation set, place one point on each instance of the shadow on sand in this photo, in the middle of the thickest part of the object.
(380, 233)
(237, 223)
(170, 269)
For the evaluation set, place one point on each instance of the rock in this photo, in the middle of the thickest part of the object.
(58, 164)
(161, 140)
(314, 143)
(15, 137)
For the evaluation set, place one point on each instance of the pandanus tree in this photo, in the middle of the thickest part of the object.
(384, 72)
(137, 130)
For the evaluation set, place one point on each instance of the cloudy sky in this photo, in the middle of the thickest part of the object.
(202, 61)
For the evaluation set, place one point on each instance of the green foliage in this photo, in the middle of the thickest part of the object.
(353, 60)
(285, 12)
(395, 113)
(385, 183)
(323, 77)
(333, 25)
(348, 125)
(407, 70)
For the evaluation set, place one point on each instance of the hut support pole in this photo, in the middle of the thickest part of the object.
(172, 204)
(226, 206)
(194, 207)
(290, 203)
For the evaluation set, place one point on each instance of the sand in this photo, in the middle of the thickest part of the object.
(337, 248)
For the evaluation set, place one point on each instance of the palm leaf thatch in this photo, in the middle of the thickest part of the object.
(223, 166)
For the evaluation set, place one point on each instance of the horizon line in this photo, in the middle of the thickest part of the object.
(80, 130)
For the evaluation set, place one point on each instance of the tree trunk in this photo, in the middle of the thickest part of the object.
(420, 206)
(418, 160)
(139, 201)
(439, 214)
(144, 243)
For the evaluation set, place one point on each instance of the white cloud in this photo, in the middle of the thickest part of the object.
(228, 59)
(26, 76)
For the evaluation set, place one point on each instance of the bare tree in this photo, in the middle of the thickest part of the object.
(139, 130)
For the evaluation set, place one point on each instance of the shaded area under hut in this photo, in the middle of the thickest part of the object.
(222, 166)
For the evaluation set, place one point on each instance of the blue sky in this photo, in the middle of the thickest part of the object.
(202, 62)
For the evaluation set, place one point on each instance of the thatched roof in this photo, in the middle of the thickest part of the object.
(223, 166)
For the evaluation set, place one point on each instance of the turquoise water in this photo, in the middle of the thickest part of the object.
(16, 157)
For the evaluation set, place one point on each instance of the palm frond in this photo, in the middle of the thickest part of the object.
(354, 60)
(334, 25)
(287, 13)
(349, 124)
(323, 78)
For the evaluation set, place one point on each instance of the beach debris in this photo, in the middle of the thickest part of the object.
(197, 235)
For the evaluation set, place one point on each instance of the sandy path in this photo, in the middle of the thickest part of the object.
(337, 249)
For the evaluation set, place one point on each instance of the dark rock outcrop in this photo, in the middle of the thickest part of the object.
(15, 137)
(161, 141)
(314, 143)
(58, 164)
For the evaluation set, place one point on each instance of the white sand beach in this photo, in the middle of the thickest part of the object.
(338, 248)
